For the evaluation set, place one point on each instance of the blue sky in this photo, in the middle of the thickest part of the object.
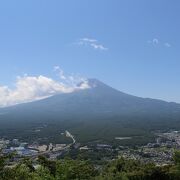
(132, 45)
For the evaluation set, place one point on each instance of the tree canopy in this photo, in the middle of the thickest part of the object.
(68, 169)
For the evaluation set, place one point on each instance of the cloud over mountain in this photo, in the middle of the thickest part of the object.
(31, 88)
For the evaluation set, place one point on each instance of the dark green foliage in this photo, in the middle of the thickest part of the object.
(177, 157)
(50, 165)
(71, 169)
(68, 169)
(134, 170)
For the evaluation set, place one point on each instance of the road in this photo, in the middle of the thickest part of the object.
(68, 134)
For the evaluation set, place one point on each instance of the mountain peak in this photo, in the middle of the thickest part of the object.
(92, 82)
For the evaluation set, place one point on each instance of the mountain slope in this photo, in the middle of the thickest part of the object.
(98, 100)
(100, 108)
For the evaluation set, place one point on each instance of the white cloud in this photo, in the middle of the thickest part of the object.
(98, 46)
(56, 68)
(71, 79)
(167, 44)
(155, 42)
(60, 72)
(31, 88)
(88, 40)
(91, 43)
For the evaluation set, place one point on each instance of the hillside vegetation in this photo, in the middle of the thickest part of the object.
(68, 169)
